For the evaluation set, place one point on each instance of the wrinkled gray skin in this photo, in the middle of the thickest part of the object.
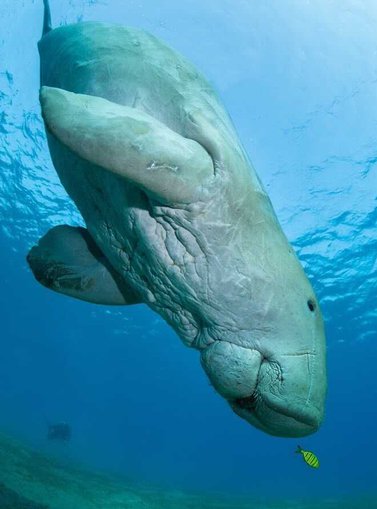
(177, 219)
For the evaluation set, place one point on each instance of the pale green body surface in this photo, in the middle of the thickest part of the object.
(177, 219)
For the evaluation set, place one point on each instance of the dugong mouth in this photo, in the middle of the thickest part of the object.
(259, 391)
(277, 416)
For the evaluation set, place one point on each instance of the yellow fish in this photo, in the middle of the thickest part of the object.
(309, 457)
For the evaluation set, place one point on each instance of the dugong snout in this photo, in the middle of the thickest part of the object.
(232, 369)
(283, 396)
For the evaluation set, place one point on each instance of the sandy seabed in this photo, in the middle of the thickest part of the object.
(31, 480)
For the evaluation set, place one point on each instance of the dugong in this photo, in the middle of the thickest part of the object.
(176, 218)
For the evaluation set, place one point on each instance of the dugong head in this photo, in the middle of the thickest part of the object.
(273, 374)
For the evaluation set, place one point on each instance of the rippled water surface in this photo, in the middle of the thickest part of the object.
(299, 79)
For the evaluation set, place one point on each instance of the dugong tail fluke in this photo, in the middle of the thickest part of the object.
(47, 27)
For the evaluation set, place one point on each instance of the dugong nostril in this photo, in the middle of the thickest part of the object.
(232, 369)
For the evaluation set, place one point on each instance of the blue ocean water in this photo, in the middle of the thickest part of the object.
(299, 80)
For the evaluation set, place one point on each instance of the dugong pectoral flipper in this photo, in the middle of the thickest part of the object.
(68, 261)
(130, 143)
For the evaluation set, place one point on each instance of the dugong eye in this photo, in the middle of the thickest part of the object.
(311, 305)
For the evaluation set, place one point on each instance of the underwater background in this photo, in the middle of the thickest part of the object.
(299, 79)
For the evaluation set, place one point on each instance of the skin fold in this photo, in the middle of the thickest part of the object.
(176, 218)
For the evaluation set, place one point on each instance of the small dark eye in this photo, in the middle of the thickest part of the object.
(311, 305)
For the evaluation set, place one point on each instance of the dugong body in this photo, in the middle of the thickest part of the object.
(176, 218)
